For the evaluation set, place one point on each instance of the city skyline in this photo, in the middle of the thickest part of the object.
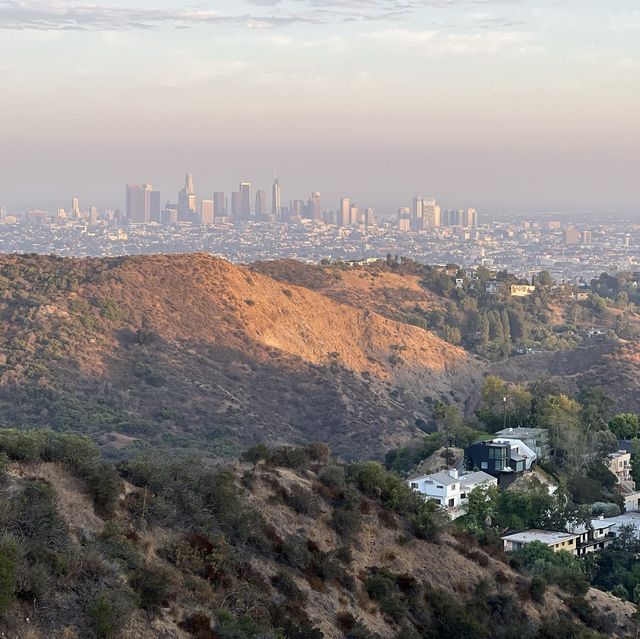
(531, 105)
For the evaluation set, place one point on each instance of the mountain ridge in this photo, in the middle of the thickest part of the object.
(222, 347)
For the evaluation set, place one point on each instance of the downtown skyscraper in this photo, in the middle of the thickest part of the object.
(138, 202)
(245, 200)
(261, 203)
(276, 200)
(187, 198)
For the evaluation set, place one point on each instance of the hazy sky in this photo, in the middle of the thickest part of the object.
(499, 104)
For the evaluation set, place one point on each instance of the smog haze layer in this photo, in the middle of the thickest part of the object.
(527, 105)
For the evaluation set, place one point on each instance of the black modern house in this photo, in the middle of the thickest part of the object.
(497, 459)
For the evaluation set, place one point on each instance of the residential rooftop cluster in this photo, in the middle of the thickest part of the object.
(510, 461)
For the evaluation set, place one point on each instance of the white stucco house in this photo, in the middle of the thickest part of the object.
(450, 489)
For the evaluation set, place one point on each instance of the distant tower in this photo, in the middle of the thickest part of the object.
(206, 212)
(155, 207)
(314, 207)
(139, 203)
(235, 205)
(245, 200)
(344, 212)
(219, 204)
(261, 203)
(472, 218)
(417, 209)
(429, 208)
(75, 207)
(276, 199)
(187, 197)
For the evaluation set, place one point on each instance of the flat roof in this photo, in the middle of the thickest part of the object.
(627, 519)
(619, 453)
(521, 431)
(477, 478)
(545, 536)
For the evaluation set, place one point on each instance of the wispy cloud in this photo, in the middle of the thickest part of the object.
(45, 15)
(70, 15)
(437, 42)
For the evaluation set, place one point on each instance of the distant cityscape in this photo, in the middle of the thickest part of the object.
(245, 227)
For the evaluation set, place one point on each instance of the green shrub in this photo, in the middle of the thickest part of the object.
(104, 485)
(346, 521)
(288, 587)
(537, 588)
(302, 501)
(153, 586)
(8, 566)
(381, 587)
(109, 611)
(333, 477)
(231, 627)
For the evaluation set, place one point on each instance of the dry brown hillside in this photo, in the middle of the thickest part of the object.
(378, 290)
(189, 348)
(228, 552)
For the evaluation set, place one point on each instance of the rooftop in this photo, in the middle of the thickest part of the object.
(620, 453)
(479, 477)
(545, 536)
(519, 433)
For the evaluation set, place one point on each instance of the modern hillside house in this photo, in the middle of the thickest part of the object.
(535, 438)
(497, 458)
(450, 489)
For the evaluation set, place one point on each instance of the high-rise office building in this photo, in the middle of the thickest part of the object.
(169, 216)
(138, 203)
(472, 218)
(155, 207)
(455, 217)
(206, 212)
(429, 214)
(314, 207)
(245, 200)
(370, 219)
(219, 204)
(235, 205)
(187, 198)
(344, 213)
(296, 208)
(571, 236)
(261, 203)
(276, 199)
(417, 207)
(75, 207)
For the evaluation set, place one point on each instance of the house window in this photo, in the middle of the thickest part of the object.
(463, 495)
(439, 486)
(414, 485)
(452, 503)
(484, 465)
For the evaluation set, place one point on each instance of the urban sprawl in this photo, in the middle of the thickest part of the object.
(246, 227)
